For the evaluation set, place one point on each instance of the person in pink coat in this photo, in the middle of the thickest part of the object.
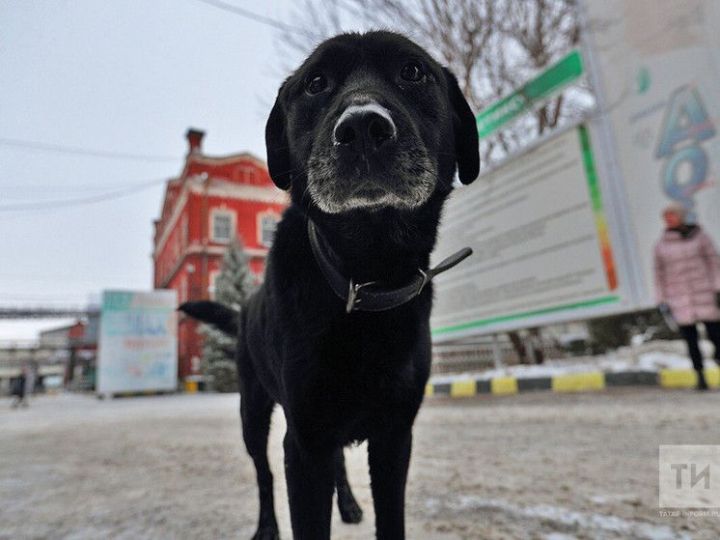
(687, 282)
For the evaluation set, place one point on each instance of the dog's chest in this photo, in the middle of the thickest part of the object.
(359, 375)
(352, 406)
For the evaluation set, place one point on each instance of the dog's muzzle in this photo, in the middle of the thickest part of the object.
(369, 157)
(364, 128)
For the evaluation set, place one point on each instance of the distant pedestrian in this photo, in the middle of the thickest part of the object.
(687, 282)
(17, 390)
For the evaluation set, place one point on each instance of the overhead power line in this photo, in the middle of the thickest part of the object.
(52, 276)
(59, 188)
(253, 16)
(61, 149)
(66, 203)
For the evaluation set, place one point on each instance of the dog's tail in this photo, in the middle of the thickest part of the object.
(221, 317)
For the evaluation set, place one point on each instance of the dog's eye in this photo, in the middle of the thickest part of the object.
(412, 72)
(315, 84)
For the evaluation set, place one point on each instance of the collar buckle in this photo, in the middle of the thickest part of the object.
(353, 299)
(425, 278)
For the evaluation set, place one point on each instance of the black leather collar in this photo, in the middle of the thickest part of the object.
(371, 296)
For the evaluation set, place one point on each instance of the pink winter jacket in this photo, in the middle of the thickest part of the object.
(687, 276)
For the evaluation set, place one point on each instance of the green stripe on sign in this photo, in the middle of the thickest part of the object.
(543, 311)
(589, 162)
(530, 94)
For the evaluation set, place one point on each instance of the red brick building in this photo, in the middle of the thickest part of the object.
(213, 200)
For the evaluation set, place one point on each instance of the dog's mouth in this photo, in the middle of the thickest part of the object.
(402, 181)
(371, 196)
(369, 190)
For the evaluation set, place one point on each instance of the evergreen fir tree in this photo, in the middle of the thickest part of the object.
(233, 286)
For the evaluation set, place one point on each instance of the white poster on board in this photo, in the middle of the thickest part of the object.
(542, 251)
(659, 71)
(138, 342)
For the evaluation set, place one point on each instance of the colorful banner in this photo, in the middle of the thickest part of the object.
(138, 342)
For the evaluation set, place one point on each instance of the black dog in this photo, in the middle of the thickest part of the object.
(366, 135)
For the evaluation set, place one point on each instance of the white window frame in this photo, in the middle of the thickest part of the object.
(270, 214)
(218, 212)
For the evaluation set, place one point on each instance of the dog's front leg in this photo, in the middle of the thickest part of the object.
(389, 456)
(311, 481)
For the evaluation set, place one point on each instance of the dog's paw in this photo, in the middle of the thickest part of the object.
(267, 533)
(350, 510)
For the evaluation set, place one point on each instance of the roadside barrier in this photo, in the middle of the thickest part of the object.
(570, 382)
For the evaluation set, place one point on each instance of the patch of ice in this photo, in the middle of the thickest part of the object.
(591, 522)
(655, 361)
(610, 499)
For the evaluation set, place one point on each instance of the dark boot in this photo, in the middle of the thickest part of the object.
(701, 382)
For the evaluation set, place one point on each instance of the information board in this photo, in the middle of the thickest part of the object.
(542, 252)
(138, 342)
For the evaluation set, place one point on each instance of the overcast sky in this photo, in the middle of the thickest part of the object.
(127, 77)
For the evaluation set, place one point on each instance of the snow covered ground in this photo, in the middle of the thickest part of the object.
(540, 466)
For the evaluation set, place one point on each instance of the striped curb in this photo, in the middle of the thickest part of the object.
(571, 382)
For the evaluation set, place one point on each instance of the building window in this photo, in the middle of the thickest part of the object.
(267, 226)
(223, 226)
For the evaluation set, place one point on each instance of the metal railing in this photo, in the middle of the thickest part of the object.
(44, 312)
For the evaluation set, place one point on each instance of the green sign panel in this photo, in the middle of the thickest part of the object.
(552, 80)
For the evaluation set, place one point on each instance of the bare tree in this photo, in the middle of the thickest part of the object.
(544, 30)
(492, 46)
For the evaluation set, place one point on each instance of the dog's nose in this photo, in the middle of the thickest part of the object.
(364, 128)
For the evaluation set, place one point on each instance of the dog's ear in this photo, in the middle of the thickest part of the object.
(276, 144)
(467, 152)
